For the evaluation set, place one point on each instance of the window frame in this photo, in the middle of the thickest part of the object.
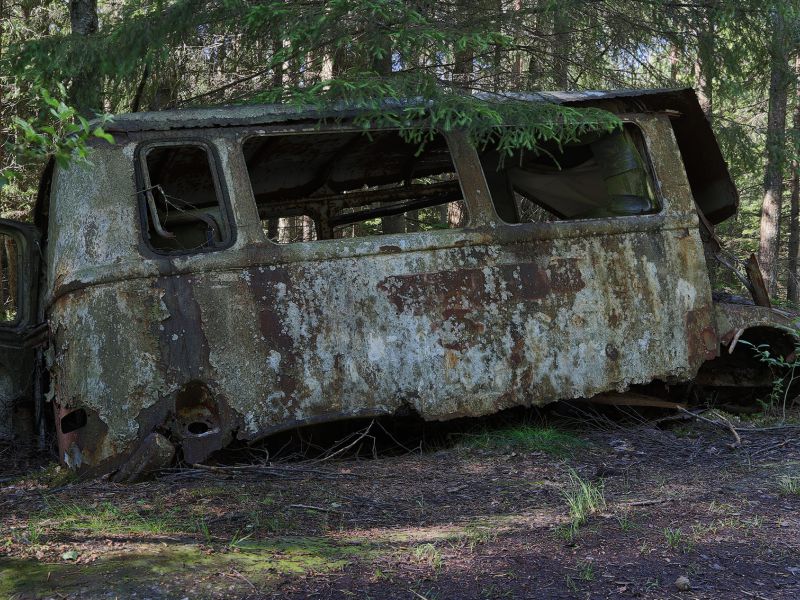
(658, 197)
(15, 334)
(21, 317)
(282, 132)
(220, 188)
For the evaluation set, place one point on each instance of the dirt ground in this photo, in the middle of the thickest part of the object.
(607, 511)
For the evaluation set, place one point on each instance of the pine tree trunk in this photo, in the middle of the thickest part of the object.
(673, 64)
(83, 16)
(277, 67)
(561, 47)
(704, 63)
(792, 287)
(382, 66)
(769, 242)
(85, 88)
(463, 59)
(535, 71)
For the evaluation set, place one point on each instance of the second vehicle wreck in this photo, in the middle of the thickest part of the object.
(229, 273)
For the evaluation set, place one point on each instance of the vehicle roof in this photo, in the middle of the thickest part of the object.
(263, 114)
(708, 175)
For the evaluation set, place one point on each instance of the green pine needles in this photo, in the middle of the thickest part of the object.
(395, 64)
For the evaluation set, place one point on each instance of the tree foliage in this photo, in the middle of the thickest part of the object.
(417, 65)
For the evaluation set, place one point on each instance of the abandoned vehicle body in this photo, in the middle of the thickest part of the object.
(224, 274)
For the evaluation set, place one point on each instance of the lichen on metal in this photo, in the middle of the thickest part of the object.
(249, 337)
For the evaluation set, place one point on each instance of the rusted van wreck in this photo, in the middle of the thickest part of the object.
(227, 273)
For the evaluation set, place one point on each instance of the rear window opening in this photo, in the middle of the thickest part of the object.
(325, 186)
(600, 175)
(182, 200)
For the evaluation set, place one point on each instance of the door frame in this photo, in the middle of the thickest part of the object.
(25, 331)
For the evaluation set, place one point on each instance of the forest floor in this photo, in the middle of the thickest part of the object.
(524, 511)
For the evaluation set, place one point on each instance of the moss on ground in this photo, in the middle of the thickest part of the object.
(527, 438)
(178, 568)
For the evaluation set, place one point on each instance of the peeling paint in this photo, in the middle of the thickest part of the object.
(258, 338)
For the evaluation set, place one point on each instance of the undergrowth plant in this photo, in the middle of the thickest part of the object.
(429, 554)
(789, 485)
(785, 373)
(583, 498)
(526, 438)
(673, 537)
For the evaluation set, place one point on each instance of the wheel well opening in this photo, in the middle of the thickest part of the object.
(739, 373)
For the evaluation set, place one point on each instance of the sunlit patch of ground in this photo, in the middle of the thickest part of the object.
(622, 514)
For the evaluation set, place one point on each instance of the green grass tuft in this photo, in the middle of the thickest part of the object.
(583, 499)
(429, 554)
(789, 485)
(526, 438)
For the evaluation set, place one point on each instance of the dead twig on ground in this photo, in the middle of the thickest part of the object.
(236, 575)
(771, 447)
(391, 437)
(309, 507)
(358, 436)
(645, 502)
(279, 471)
(769, 429)
(724, 423)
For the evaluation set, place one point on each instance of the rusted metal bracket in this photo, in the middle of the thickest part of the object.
(445, 191)
(393, 209)
(151, 205)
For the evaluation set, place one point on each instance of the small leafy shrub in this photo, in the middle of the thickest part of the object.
(676, 540)
(784, 375)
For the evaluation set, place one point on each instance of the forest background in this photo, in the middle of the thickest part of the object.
(63, 62)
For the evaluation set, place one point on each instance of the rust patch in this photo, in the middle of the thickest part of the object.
(453, 290)
(701, 338)
(421, 293)
(564, 275)
(183, 344)
(198, 423)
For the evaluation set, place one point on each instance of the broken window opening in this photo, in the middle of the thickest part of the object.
(9, 276)
(600, 175)
(182, 200)
(324, 186)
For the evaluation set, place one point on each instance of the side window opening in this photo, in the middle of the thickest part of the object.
(324, 186)
(600, 175)
(182, 200)
(9, 280)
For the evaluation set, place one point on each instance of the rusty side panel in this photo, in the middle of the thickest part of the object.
(451, 333)
(450, 323)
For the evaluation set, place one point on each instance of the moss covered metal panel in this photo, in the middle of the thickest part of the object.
(258, 337)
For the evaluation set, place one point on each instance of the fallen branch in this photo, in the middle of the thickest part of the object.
(770, 448)
(227, 471)
(725, 424)
(644, 502)
(308, 507)
(360, 436)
